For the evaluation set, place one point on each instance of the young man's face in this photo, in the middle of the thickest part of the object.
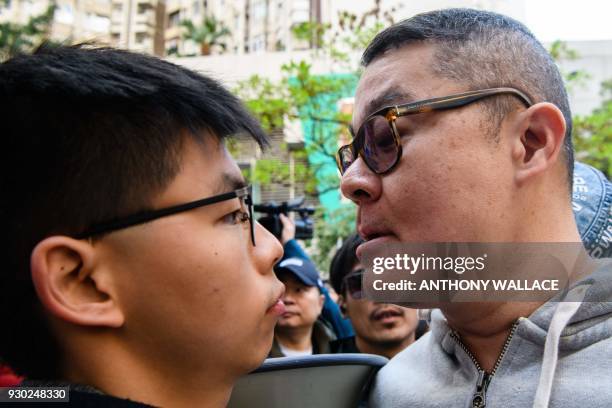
(303, 303)
(196, 293)
(380, 324)
(453, 181)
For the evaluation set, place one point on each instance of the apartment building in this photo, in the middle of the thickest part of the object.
(154, 26)
(230, 14)
(139, 25)
(74, 21)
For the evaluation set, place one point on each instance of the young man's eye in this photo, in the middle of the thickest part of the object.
(236, 217)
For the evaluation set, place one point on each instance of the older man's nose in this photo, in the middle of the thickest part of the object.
(360, 184)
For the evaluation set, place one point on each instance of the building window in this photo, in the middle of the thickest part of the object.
(174, 19)
(64, 14)
(143, 8)
(259, 11)
(141, 37)
(97, 23)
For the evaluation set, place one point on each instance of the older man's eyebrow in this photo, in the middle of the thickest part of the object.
(391, 97)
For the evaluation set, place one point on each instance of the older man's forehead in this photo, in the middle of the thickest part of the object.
(401, 75)
(373, 95)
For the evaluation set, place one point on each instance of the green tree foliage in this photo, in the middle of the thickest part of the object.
(23, 38)
(593, 134)
(560, 52)
(208, 34)
(330, 232)
(302, 95)
(311, 98)
(268, 101)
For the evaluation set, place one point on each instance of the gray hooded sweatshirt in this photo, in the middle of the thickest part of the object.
(561, 356)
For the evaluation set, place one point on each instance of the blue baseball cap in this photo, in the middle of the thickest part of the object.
(592, 205)
(303, 269)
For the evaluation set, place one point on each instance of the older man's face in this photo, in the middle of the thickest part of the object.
(453, 182)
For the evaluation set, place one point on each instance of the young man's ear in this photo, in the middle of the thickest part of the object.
(71, 285)
(541, 134)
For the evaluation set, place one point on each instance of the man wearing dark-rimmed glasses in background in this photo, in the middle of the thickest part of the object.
(380, 328)
(462, 134)
(132, 267)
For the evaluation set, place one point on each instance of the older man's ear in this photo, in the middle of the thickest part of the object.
(72, 285)
(538, 142)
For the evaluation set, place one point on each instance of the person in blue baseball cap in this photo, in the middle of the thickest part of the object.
(592, 205)
(299, 330)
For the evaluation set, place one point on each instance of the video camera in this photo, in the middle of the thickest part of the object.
(304, 227)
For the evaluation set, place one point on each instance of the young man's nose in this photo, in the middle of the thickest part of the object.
(360, 184)
(268, 249)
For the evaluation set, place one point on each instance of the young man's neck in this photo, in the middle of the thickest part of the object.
(297, 338)
(388, 350)
(155, 383)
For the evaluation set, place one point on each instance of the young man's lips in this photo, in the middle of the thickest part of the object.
(277, 309)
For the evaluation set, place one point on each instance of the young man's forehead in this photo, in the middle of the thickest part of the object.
(212, 148)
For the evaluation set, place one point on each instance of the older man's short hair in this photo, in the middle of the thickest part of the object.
(484, 50)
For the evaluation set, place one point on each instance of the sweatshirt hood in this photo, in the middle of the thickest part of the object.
(583, 327)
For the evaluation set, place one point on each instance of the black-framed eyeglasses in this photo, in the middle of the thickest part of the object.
(352, 284)
(377, 141)
(243, 194)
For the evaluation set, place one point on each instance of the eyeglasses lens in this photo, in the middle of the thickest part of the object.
(345, 158)
(353, 285)
(379, 146)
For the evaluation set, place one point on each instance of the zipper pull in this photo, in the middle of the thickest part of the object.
(479, 400)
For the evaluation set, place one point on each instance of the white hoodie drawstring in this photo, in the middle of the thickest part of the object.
(565, 310)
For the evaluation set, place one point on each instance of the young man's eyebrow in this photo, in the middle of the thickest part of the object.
(230, 182)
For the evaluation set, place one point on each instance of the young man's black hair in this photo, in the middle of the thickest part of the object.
(89, 135)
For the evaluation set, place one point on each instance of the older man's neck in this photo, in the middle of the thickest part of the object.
(484, 327)
(299, 339)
